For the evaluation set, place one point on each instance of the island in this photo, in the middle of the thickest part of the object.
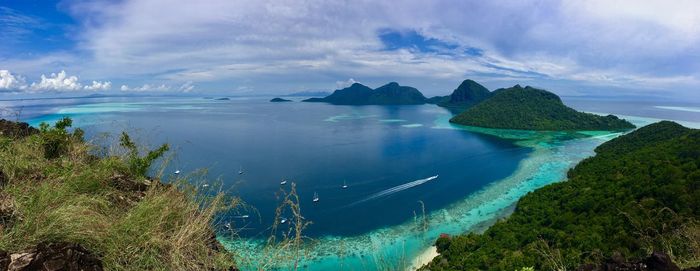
(528, 108)
(466, 95)
(279, 100)
(359, 94)
(222, 99)
(639, 194)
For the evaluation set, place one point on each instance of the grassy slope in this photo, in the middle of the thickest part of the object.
(638, 194)
(533, 109)
(84, 199)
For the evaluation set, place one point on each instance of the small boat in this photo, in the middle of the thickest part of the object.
(242, 216)
(283, 220)
(316, 199)
(240, 171)
(345, 186)
(283, 182)
(228, 225)
(177, 172)
(205, 185)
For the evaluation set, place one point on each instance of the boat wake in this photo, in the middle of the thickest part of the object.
(395, 189)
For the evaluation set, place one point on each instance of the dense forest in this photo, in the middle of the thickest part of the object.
(529, 108)
(639, 193)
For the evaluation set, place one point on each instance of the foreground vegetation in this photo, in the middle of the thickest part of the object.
(639, 194)
(58, 189)
(529, 108)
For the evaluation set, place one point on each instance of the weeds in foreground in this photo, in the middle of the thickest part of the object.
(58, 190)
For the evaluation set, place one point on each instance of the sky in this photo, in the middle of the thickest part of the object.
(637, 48)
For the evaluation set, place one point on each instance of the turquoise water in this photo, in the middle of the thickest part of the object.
(383, 153)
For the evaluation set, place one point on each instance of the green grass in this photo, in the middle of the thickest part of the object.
(70, 196)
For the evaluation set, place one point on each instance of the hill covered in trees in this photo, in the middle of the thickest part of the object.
(466, 95)
(640, 193)
(530, 108)
(359, 94)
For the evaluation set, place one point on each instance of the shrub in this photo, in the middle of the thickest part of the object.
(139, 165)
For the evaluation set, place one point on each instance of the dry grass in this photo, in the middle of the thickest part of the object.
(71, 199)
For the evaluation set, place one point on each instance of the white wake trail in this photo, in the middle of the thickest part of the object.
(396, 189)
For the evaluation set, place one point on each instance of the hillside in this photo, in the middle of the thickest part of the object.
(533, 109)
(68, 205)
(466, 95)
(638, 194)
(389, 94)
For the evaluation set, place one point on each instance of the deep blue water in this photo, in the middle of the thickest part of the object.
(317, 146)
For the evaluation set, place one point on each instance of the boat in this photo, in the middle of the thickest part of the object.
(316, 199)
(283, 220)
(177, 172)
(283, 182)
(205, 185)
(240, 171)
(345, 186)
(242, 216)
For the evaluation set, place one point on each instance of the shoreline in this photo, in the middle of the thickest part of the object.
(425, 257)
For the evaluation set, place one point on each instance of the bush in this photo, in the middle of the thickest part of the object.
(56, 140)
(139, 165)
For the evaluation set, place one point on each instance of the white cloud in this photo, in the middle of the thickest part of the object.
(269, 44)
(57, 81)
(8, 81)
(344, 84)
(145, 87)
(187, 87)
(99, 85)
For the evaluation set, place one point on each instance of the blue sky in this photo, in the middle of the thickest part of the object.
(644, 48)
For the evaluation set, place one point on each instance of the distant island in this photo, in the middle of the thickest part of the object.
(222, 99)
(530, 108)
(637, 195)
(279, 100)
(466, 95)
(359, 94)
(309, 93)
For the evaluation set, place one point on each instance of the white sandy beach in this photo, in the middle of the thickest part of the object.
(423, 258)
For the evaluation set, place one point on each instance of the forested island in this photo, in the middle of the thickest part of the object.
(359, 94)
(638, 194)
(528, 108)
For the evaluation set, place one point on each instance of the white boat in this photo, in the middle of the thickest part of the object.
(242, 216)
(345, 186)
(228, 225)
(283, 182)
(283, 220)
(240, 171)
(316, 199)
(205, 185)
(177, 172)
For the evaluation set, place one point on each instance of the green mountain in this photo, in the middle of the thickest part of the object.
(389, 94)
(530, 108)
(639, 193)
(466, 95)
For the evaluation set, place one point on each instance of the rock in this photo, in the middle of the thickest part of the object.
(52, 257)
(659, 261)
(16, 129)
